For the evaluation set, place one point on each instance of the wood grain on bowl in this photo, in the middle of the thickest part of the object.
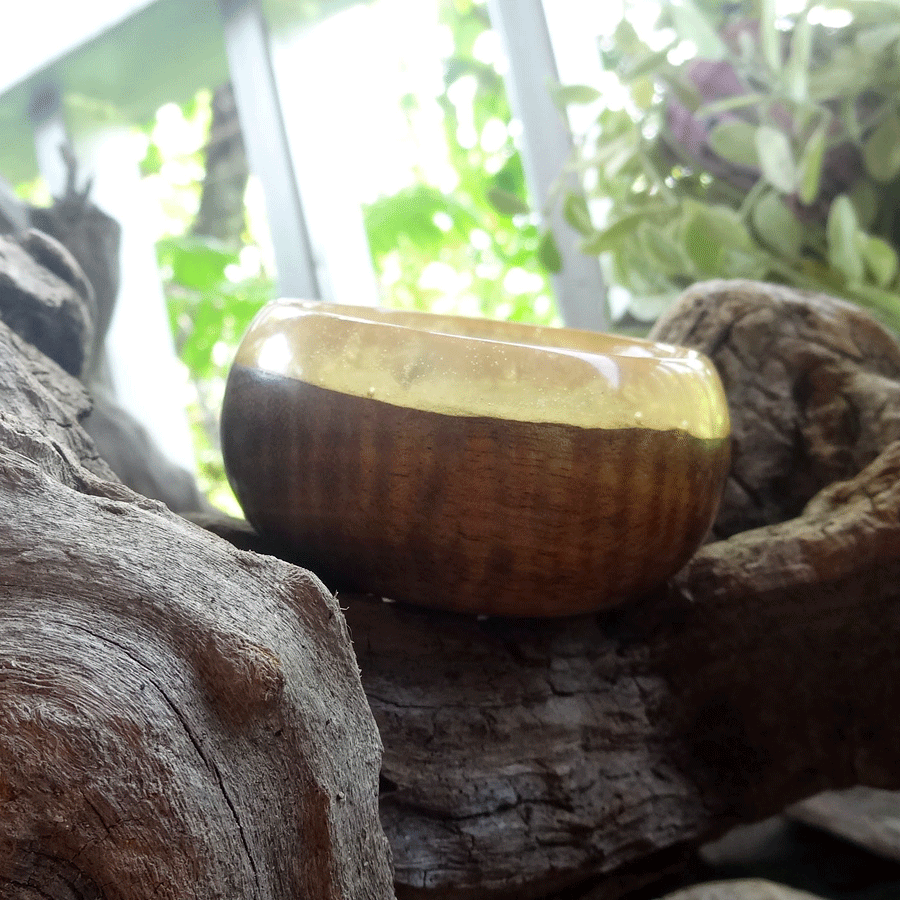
(476, 466)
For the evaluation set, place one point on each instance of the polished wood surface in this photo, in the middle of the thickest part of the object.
(474, 514)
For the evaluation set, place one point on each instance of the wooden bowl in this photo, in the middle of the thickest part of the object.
(473, 465)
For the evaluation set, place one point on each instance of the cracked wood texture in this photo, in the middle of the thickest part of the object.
(177, 718)
(584, 757)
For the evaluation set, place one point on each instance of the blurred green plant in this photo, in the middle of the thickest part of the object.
(209, 311)
(751, 145)
(475, 250)
(212, 289)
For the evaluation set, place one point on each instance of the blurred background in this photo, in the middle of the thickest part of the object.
(560, 162)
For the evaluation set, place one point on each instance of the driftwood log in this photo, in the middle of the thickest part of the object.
(177, 718)
(180, 718)
(59, 282)
(524, 757)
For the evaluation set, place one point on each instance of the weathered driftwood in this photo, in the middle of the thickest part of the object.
(813, 384)
(177, 718)
(46, 297)
(92, 237)
(522, 756)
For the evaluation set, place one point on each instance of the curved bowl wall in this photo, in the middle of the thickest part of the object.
(471, 465)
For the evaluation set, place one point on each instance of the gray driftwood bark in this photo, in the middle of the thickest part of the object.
(59, 283)
(523, 757)
(177, 718)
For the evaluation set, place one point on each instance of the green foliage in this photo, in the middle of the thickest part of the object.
(410, 217)
(475, 250)
(209, 313)
(772, 152)
(548, 252)
(212, 292)
(210, 308)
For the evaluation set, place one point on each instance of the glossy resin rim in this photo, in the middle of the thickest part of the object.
(480, 367)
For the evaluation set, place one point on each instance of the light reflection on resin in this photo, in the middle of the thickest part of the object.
(480, 367)
(275, 353)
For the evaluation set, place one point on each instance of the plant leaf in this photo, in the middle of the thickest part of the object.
(865, 202)
(692, 25)
(776, 158)
(643, 65)
(844, 239)
(701, 246)
(577, 214)
(197, 263)
(643, 92)
(717, 107)
(881, 152)
(626, 38)
(878, 38)
(739, 264)
(574, 94)
(770, 36)
(885, 304)
(735, 142)
(809, 172)
(880, 258)
(796, 69)
(505, 203)
(613, 148)
(847, 73)
(718, 241)
(721, 223)
(777, 226)
(607, 239)
(408, 217)
(548, 253)
(683, 90)
(665, 253)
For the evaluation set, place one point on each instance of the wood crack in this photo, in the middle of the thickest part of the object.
(214, 769)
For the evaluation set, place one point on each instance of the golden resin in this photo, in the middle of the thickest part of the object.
(480, 367)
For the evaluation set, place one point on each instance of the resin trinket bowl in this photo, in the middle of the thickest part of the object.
(473, 465)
